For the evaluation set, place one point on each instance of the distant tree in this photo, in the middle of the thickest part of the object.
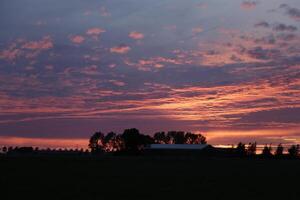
(4, 149)
(294, 150)
(191, 138)
(134, 141)
(241, 149)
(160, 138)
(279, 150)
(267, 151)
(96, 143)
(10, 149)
(251, 149)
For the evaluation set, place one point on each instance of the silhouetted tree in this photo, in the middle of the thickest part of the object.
(160, 138)
(191, 138)
(294, 150)
(241, 149)
(134, 141)
(113, 142)
(279, 150)
(4, 149)
(96, 142)
(267, 151)
(176, 137)
(251, 149)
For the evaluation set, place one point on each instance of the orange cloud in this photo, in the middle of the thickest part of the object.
(136, 35)
(121, 49)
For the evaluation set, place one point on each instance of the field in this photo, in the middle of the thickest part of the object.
(148, 178)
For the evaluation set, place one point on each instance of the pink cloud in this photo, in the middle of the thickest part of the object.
(10, 54)
(117, 83)
(104, 12)
(95, 31)
(77, 39)
(45, 43)
(248, 5)
(136, 35)
(201, 5)
(197, 30)
(121, 49)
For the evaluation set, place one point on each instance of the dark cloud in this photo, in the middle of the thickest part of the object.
(263, 24)
(283, 27)
(294, 13)
(262, 53)
(286, 115)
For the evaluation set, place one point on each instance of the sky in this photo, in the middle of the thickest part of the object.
(229, 69)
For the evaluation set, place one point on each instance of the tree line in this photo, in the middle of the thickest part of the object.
(132, 140)
(267, 151)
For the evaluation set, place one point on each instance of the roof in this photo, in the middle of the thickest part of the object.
(178, 146)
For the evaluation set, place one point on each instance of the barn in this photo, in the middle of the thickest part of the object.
(176, 149)
(178, 146)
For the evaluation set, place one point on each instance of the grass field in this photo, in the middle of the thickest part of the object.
(148, 178)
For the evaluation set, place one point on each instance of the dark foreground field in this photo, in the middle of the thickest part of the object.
(148, 178)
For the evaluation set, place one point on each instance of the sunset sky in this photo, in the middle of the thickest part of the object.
(229, 69)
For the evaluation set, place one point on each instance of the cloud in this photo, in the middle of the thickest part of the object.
(117, 83)
(26, 49)
(43, 44)
(293, 13)
(10, 54)
(262, 24)
(197, 30)
(283, 27)
(95, 31)
(248, 5)
(77, 39)
(263, 54)
(104, 12)
(136, 35)
(121, 49)
(202, 5)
